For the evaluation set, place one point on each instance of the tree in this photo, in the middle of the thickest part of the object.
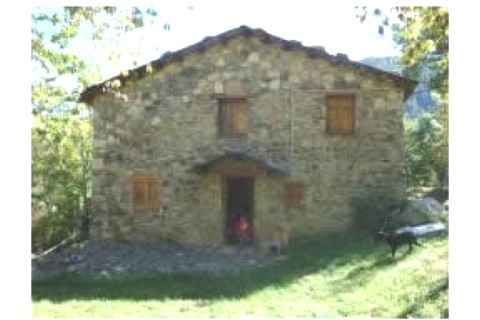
(424, 42)
(422, 33)
(61, 176)
(62, 130)
(53, 30)
(423, 36)
(426, 159)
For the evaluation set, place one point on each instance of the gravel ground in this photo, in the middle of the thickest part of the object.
(112, 258)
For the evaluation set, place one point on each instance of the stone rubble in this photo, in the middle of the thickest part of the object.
(116, 258)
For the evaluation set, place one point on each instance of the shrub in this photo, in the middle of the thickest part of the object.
(376, 208)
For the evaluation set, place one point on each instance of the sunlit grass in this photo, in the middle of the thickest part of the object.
(319, 278)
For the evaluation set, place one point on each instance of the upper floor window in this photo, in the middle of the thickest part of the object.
(341, 114)
(232, 116)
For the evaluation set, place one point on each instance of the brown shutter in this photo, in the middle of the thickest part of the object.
(154, 200)
(232, 116)
(347, 115)
(341, 114)
(238, 116)
(295, 195)
(332, 115)
(145, 194)
(139, 194)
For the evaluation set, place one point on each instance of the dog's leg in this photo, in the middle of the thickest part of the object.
(417, 243)
(394, 249)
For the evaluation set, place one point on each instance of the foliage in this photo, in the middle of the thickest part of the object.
(425, 46)
(423, 36)
(62, 129)
(422, 33)
(426, 150)
(373, 208)
(424, 42)
(53, 30)
(323, 278)
(61, 181)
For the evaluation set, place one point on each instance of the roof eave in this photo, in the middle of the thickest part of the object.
(89, 94)
(239, 156)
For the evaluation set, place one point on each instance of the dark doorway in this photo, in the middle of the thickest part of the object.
(238, 203)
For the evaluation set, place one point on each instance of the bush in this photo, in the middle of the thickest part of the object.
(376, 208)
(49, 230)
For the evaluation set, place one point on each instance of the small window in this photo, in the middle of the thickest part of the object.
(232, 116)
(295, 195)
(341, 114)
(145, 194)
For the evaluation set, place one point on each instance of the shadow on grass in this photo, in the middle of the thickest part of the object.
(361, 274)
(431, 295)
(305, 256)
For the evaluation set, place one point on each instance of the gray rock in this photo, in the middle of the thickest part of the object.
(422, 211)
(426, 229)
(106, 259)
(105, 274)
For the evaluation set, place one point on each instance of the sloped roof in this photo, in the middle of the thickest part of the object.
(244, 156)
(247, 32)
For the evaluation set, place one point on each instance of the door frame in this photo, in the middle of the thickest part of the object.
(228, 217)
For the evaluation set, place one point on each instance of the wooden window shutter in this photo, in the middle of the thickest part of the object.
(232, 116)
(145, 193)
(238, 116)
(341, 114)
(153, 196)
(138, 195)
(295, 195)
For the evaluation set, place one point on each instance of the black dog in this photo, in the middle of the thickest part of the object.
(398, 238)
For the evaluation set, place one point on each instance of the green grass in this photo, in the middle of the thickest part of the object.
(333, 277)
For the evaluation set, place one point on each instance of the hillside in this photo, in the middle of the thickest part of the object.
(327, 277)
(420, 101)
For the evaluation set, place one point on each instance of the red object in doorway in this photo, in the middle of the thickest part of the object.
(242, 230)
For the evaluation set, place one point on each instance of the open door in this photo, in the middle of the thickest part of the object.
(239, 202)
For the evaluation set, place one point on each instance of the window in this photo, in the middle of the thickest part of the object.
(341, 114)
(232, 116)
(145, 193)
(295, 195)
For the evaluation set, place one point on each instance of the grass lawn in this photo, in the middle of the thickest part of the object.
(333, 277)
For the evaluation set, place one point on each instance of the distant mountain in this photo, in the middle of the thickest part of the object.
(421, 99)
(389, 64)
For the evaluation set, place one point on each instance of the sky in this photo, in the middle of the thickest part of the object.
(334, 27)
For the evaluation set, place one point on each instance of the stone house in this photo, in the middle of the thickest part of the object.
(243, 123)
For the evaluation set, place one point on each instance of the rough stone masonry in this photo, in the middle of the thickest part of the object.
(163, 122)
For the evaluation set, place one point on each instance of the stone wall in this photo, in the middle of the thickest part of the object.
(166, 123)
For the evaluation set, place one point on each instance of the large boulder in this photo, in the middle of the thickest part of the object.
(422, 211)
(440, 194)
